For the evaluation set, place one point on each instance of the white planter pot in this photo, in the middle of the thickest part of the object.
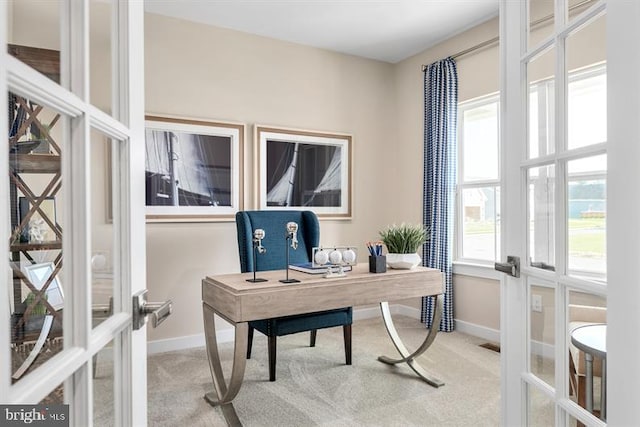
(403, 261)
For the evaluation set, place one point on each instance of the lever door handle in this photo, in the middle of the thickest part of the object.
(511, 267)
(159, 311)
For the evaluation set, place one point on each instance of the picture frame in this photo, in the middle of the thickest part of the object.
(48, 206)
(301, 169)
(38, 274)
(193, 169)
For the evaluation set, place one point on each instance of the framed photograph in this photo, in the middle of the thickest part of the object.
(37, 229)
(38, 274)
(300, 169)
(193, 170)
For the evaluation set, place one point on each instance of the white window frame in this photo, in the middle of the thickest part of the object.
(497, 183)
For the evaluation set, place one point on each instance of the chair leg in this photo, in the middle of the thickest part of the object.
(272, 358)
(312, 339)
(582, 394)
(249, 342)
(346, 330)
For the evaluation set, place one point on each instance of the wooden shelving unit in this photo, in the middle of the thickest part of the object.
(33, 151)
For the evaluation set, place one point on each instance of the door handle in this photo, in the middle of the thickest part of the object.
(543, 265)
(159, 311)
(511, 267)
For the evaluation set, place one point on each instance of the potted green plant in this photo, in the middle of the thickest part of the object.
(402, 242)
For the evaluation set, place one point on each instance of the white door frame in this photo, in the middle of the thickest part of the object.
(512, 317)
(623, 205)
(623, 228)
(73, 365)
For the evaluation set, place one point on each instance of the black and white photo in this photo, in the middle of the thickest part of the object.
(192, 169)
(304, 169)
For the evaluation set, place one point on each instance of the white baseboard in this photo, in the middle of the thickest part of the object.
(190, 341)
(545, 350)
(478, 331)
(538, 348)
(226, 334)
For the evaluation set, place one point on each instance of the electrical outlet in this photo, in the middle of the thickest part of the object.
(536, 303)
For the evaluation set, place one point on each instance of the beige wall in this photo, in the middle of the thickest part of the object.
(205, 72)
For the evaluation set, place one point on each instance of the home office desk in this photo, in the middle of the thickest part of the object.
(238, 301)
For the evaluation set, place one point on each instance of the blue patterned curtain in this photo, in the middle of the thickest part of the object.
(440, 156)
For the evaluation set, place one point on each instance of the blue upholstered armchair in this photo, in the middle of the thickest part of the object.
(274, 224)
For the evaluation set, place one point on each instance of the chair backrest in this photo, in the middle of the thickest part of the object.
(274, 222)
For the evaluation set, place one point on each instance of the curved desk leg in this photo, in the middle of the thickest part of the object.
(409, 358)
(224, 394)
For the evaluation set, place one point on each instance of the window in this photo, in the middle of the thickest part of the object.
(479, 180)
(478, 213)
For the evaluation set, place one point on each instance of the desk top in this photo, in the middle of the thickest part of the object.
(237, 300)
(591, 339)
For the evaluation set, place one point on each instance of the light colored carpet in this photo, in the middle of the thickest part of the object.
(315, 388)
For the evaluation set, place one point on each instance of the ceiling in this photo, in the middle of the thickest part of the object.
(386, 30)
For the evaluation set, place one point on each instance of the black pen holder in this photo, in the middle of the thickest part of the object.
(378, 264)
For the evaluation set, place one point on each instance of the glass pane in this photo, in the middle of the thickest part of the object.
(480, 137)
(542, 410)
(34, 34)
(587, 217)
(481, 207)
(103, 387)
(541, 20)
(56, 397)
(586, 314)
(541, 122)
(587, 85)
(541, 184)
(35, 245)
(542, 333)
(576, 7)
(103, 235)
(100, 43)
(572, 422)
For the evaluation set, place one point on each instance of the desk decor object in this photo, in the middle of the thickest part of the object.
(258, 235)
(311, 268)
(292, 235)
(377, 261)
(377, 264)
(402, 242)
(336, 260)
(238, 302)
(193, 169)
(301, 169)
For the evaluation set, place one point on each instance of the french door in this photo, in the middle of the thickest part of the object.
(569, 102)
(73, 208)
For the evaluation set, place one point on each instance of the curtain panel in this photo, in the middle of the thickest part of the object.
(440, 158)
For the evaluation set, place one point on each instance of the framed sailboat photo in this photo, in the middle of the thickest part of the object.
(299, 169)
(193, 170)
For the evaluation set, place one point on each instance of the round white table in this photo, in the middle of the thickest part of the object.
(592, 340)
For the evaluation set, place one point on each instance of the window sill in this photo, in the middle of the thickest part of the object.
(484, 271)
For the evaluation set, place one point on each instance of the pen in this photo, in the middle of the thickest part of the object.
(370, 248)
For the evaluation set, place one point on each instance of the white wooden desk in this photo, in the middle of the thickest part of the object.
(238, 302)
